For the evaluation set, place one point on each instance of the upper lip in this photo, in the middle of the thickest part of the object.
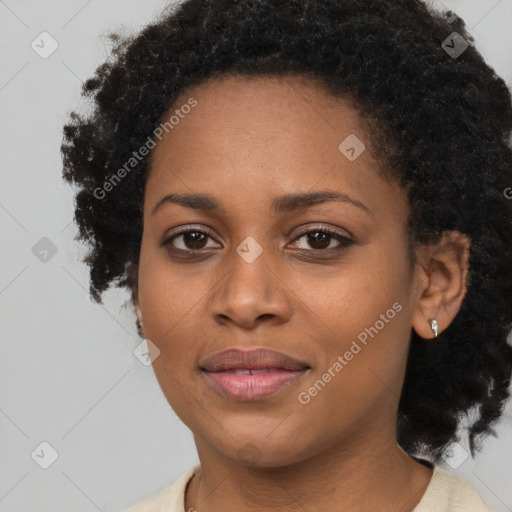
(252, 359)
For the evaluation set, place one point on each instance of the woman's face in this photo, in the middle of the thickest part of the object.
(257, 271)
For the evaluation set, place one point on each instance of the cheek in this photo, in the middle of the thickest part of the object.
(350, 297)
(364, 307)
(167, 295)
(167, 305)
(361, 365)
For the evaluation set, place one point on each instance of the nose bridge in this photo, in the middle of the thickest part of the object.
(251, 288)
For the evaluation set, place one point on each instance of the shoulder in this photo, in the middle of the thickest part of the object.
(447, 492)
(169, 499)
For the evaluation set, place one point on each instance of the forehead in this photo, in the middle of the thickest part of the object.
(237, 116)
(259, 136)
(264, 104)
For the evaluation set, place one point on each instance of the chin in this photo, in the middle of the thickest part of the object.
(261, 454)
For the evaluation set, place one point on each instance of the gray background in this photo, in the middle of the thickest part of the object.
(67, 369)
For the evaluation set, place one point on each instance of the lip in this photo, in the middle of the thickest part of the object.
(254, 374)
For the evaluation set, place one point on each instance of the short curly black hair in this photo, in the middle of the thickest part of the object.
(439, 123)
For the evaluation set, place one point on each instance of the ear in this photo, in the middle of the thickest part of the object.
(441, 282)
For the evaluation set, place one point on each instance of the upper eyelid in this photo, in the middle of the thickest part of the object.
(208, 232)
(321, 227)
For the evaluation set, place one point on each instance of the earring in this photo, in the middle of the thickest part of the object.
(433, 326)
(138, 323)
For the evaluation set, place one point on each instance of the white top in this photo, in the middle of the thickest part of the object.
(445, 493)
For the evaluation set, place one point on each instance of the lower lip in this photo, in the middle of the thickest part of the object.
(247, 388)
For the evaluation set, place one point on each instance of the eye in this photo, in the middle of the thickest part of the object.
(192, 239)
(320, 239)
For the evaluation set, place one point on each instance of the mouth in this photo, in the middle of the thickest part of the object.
(252, 375)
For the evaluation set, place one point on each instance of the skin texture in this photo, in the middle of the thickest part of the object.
(247, 141)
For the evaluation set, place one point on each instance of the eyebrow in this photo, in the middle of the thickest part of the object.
(282, 204)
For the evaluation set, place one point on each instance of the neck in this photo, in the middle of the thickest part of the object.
(382, 478)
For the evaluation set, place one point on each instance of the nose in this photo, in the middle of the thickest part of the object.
(251, 293)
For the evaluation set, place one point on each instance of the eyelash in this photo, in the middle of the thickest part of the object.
(344, 242)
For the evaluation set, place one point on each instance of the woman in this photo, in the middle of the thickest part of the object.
(307, 200)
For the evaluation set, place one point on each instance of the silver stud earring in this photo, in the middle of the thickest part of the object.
(138, 323)
(433, 326)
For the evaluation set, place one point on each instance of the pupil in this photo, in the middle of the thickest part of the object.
(322, 243)
(195, 238)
